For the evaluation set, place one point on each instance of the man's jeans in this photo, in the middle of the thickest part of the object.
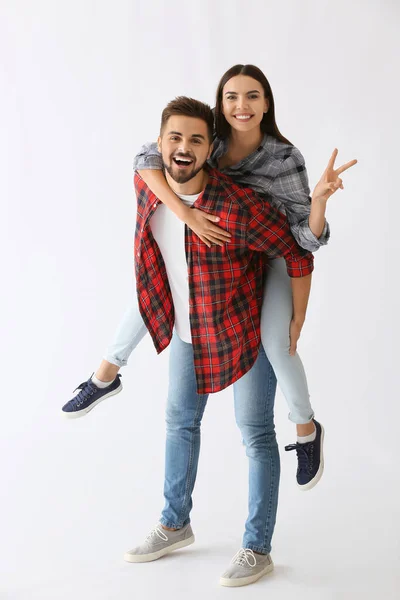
(254, 397)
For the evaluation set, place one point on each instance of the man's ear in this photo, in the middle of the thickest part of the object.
(159, 143)
(210, 151)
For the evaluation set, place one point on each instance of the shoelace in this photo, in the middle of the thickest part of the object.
(243, 556)
(157, 531)
(87, 389)
(305, 455)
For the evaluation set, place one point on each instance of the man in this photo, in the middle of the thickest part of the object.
(211, 298)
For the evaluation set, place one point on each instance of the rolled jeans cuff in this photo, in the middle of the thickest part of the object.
(115, 361)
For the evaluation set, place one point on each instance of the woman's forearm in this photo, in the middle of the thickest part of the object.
(156, 181)
(316, 219)
(301, 287)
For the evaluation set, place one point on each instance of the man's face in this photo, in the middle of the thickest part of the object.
(185, 146)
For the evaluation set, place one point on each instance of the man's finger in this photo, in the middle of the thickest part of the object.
(346, 166)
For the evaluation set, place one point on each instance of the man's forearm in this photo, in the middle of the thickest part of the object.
(157, 183)
(301, 287)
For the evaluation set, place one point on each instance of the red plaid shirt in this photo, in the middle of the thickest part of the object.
(225, 282)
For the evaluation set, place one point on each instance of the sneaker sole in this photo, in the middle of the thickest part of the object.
(246, 580)
(81, 413)
(140, 558)
(318, 475)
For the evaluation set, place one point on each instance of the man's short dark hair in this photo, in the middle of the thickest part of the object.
(188, 107)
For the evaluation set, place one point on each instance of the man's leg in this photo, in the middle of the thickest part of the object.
(185, 408)
(254, 396)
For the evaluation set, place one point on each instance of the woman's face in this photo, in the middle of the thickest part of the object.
(243, 103)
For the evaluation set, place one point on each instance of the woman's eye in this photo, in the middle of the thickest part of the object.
(231, 97)
(253, 96)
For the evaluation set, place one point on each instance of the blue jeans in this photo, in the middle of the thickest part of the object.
(254, 397)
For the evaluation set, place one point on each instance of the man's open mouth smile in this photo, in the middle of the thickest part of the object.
(182, 162)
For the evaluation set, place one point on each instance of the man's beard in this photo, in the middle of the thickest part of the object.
(177, 175)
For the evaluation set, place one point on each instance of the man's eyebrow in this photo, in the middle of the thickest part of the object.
(194, 135)
(251, 92)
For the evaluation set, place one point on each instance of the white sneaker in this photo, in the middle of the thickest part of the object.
(160, 542)
(246, 567)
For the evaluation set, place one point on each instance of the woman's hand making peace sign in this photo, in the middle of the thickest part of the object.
(330, 180)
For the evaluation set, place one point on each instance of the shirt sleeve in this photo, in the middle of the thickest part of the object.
(148, 157)
(290, 187)
(268, 231)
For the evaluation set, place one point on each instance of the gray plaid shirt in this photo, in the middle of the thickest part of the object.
(274, 169)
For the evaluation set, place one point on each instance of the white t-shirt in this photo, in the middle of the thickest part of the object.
(169, 233)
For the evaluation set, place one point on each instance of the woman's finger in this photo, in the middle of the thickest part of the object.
(218, 232)
(346, 166)
(332, 159)
(210, 217)
(205, 241)
(214, 240)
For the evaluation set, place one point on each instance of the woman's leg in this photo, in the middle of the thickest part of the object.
(276, 315)
(277, 311)
(254, 396)
(131, 330)
(185, 408)
(106, 381)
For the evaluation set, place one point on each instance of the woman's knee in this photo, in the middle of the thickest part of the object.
(276, 344)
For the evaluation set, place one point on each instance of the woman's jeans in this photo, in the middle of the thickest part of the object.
(277, 311)
(254, 397)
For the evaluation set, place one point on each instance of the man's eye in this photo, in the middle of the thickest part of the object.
(196, 141)
(174, 138)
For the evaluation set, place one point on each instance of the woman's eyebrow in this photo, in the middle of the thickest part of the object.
(251, 92)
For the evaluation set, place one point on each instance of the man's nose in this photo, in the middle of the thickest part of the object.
(184, 147)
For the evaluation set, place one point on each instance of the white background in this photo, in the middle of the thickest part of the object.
(83, 84)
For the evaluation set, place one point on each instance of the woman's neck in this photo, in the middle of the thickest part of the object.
(244, 142)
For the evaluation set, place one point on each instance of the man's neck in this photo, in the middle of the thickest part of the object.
(245, 142)
(191, 187)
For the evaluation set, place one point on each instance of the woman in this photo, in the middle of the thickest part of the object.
(248, 147)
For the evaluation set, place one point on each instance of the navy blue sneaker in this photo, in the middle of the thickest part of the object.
(89, 396)
(310, 459)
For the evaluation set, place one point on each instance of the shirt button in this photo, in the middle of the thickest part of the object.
(155, 205)
(138, 254)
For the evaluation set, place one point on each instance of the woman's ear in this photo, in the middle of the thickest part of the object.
(266, 106)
